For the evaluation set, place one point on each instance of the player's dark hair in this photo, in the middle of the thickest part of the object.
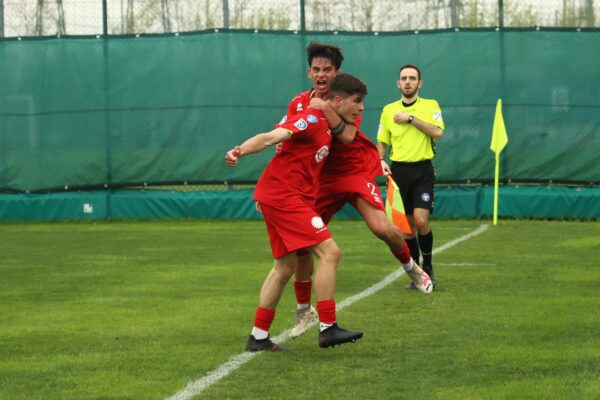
(330, 52)
(413, 67)
(347, 85)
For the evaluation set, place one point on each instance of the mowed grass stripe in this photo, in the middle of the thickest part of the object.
(197, 387)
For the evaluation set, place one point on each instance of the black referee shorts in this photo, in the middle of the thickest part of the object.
(415, 180)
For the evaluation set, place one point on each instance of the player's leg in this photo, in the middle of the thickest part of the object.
(289, 229)
(382, 227)
(270, 293)
(328, 203)
(325, 277)
(305, 312)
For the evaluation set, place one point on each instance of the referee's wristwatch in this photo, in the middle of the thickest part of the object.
(410, 119)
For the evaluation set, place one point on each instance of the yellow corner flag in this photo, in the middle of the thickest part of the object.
(499, 137)
(499, 141)
(394, 207)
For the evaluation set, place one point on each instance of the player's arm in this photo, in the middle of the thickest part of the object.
(349, 131)
(382, 149)
(256, 144)
(383, 141)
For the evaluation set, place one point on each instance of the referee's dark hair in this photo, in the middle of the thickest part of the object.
(413, 67)
(330, 52)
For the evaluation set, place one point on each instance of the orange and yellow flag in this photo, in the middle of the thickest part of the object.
(394, 207)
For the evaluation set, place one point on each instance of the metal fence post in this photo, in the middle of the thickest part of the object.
(104, 18)
(500, 13)
(453, 22)
(225, 14)
(302, 16)
(1, 18)
(106, 77)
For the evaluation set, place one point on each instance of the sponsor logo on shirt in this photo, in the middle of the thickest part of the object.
(425, 197)
(301, 124)
(437, 115)
(283, 120)
(299, 107)
(312, 119)
(321, 154)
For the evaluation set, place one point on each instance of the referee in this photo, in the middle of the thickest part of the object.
(410, 126)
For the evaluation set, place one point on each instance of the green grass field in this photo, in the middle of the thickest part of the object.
(137, 310)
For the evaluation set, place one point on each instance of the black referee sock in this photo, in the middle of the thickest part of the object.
(426, 245)
(413, 246)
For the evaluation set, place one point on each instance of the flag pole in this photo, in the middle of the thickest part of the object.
(496, 178)
(499, 141)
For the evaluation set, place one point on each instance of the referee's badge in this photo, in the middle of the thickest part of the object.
(426, 197)
(437, 115)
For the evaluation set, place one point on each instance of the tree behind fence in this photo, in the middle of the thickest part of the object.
(85, 17)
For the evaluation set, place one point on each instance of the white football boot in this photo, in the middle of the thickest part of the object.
(304, 317)
(420, 279)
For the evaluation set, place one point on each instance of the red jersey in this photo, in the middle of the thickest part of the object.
(360, 157)
(292, 175)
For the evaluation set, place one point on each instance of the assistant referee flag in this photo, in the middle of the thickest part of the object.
(394, 207)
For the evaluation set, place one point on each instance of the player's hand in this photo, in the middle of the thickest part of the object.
(386, 168)
(401, 118)
(318, 103)
(231, 158)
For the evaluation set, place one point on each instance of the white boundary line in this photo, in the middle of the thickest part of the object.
(197, 387)
(467, 264)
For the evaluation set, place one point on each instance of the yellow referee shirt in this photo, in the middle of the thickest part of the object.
(408, 143)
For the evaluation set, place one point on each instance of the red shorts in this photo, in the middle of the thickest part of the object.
(293, 227)
(334, 194)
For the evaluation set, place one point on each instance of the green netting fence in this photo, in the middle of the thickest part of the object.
(88, 112)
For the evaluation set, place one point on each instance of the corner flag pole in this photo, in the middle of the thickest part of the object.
(496, 178)
(499, 141)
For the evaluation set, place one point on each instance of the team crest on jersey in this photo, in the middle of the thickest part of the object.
(299, 107)
(312, 119)
(425, 197)
(321, 154)
(283, 120)
(437, 115)
(301, 124)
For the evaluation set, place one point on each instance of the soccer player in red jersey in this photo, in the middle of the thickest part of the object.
(286, 193)
(348, 176)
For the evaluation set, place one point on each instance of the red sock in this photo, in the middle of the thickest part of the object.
(403, 254)
(302, 289)
(264, 318)
(326, 310)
